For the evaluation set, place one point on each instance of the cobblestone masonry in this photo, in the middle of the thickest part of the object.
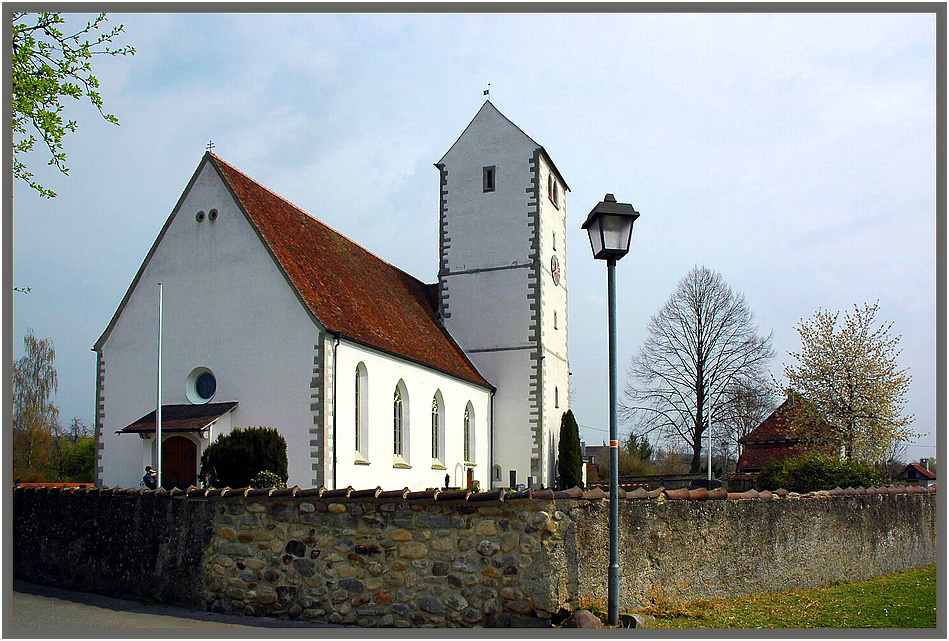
(455, 559)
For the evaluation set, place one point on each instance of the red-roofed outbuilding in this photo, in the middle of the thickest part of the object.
(775, 440)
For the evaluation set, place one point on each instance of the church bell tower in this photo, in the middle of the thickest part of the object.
(503, 289)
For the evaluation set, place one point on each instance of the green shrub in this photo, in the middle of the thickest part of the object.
(267, 479)
(239, 455)
(815, 472)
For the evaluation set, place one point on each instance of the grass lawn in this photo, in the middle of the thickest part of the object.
(904, 599)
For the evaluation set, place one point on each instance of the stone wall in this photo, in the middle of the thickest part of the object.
(131, 545)
(401, 559)
(681, 550)
(396, 562)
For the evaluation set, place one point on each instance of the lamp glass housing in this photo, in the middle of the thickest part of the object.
(610, 226)
(610, 235)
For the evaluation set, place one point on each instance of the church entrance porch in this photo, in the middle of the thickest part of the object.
(179, 462)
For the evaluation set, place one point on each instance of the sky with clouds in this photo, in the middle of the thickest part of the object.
(793, 153)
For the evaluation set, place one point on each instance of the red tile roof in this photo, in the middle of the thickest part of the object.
(921, 471)
(775, 427)
(775, 440)
(349, 290)
(180, 418)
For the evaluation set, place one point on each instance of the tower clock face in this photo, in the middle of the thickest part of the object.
(555, 269)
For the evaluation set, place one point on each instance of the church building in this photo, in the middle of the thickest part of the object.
(374, 378)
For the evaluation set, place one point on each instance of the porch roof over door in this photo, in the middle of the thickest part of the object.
(180, 418)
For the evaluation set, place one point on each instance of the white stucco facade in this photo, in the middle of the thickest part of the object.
(416, 468)
(226, 307)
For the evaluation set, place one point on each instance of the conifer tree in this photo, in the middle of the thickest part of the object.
(569, 461)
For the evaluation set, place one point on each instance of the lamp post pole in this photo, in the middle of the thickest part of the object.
(610, 226)
(613, 587)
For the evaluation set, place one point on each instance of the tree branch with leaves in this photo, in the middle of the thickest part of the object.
(847, 373)
(48, 66)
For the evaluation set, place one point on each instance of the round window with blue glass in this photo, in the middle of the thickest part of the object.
(201, 385)
(205, 385)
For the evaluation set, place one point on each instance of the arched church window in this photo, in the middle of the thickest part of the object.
(397, 423)
(436, 454)
(556, 397)
(469, 434)
(358, 408)
(361, 418)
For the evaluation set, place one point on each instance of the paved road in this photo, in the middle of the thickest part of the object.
(39, 607)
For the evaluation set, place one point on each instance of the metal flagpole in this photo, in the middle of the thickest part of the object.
(158, 407)
(709, 464)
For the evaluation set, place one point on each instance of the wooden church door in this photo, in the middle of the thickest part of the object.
(179, 463)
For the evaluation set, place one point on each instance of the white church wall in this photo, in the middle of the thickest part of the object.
(513, 440)
(377, 465)
(484, 304)
(227, 308)
(553, 319)
(488, 229)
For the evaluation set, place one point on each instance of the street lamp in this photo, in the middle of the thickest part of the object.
(610, 226)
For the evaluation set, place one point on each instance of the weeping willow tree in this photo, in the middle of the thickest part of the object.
(847, 372)
(698, 346)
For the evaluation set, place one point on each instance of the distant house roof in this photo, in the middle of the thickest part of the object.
(920, 472)
(773, 440)
(347, 289)
(180, 418)
(774, 428)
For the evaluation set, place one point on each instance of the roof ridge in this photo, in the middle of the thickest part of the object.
(311, 216)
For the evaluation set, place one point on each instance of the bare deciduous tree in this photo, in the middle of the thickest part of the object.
(745, 404)
(700, 343)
